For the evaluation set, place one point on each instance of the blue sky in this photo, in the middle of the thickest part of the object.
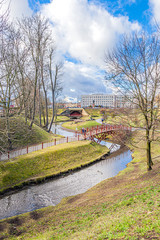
(84, 30)
(136, 10)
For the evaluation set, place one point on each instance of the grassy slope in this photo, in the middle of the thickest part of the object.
(47, 162)
(131, 118)
(94, 112)
(62, 118)
(22, 135)
(124, 207)
(79, 125)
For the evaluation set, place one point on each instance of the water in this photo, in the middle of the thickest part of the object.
(52, 192)
(57, 129)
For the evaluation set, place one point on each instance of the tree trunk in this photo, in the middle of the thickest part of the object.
(46, 107)
(53, 88)
(149, 158)
(25, 109)
(44, 119)
(53, 111)
(45, 94)
(39, 102)
(9, 142)
(34, 99)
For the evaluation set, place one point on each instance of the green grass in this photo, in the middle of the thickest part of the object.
(94, 112)
(62, 118)
(132, 118)
(118, 220)
(124, 207)
(60, 110)
(21, 135)
(80, 124)
(47, 162)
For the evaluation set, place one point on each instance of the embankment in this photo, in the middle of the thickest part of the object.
(48, 163)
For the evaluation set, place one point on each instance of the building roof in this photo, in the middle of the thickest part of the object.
(69, 111)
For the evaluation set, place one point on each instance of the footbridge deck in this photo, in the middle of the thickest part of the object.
(102, 131)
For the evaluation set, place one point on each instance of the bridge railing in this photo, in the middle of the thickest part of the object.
(103, 128)
(25, 150)
(88, 133)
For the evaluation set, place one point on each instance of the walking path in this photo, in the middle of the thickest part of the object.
(84, 135)
(36, 147)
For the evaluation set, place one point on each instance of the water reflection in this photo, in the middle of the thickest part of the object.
(51, 193)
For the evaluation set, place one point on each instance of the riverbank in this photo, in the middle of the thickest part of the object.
(123, 207)
(48, 163)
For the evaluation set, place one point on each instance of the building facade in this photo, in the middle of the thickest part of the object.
(105, 100)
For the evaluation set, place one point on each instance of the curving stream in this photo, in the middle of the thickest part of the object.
(52, 192)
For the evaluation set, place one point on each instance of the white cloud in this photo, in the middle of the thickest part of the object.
(84, 79)
(70, 99)
(85, 30)
(155, 6)
(17, 8)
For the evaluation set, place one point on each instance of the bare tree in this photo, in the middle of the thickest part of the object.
(35, 31)
(134, 68)
(28, 73)
(4, 13)
(55, 79)
(24, 84)
(37, 37)
(8, 71)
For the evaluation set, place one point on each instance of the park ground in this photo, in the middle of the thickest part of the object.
(126, 206)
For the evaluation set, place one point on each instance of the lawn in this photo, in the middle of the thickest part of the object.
(78, 125)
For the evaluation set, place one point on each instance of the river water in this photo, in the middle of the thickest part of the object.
(52, 192)
(57, 129)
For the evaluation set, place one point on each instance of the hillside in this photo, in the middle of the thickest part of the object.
(21, 135)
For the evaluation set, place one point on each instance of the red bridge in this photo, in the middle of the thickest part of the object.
(101, 132)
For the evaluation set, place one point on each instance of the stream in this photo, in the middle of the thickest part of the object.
(52, 192)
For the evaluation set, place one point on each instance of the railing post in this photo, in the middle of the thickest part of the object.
(78, 137)
(55, 141)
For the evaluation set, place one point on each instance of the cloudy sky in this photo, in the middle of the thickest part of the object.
(84, 30)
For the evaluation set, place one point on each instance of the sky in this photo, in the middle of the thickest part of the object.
(84, 30)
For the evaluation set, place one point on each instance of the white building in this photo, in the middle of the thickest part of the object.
(104, 100)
